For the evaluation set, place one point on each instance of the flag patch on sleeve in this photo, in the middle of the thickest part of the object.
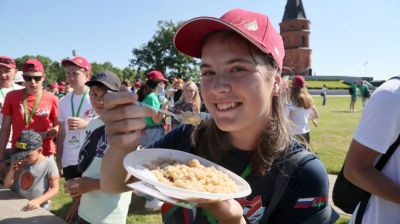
(310, 202)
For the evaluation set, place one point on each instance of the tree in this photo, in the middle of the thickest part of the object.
(160, 54)
(53, 69)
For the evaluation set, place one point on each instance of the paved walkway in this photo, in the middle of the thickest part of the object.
(332, 179)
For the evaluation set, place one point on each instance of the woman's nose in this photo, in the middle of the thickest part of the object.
(221, 83)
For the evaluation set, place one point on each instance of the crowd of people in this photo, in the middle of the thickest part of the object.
(257, 127)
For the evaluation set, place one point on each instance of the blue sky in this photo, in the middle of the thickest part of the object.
(356, 37)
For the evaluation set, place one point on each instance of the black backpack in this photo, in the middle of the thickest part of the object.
(347, 196)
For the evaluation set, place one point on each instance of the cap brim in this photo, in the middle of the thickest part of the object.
(94, 82)
(190, 35)
(67, 62)
(7, 65)
(20, 155)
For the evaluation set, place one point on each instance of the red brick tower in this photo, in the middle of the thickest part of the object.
(295, 31)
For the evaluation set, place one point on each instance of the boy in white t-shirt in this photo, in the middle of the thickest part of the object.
(74, 113)
(378, 129)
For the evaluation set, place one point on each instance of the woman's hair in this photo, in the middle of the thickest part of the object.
(300, 97)
(211, 142)
(196, 99)
(147, 88)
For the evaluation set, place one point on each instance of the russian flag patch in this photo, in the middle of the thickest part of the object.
(310, 202)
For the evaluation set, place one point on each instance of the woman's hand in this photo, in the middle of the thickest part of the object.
(228, 211)
(123, 119)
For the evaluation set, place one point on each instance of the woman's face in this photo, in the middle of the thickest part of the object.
(236, 89)
(190, 91)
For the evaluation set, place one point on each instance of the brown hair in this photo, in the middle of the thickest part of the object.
(212, 143)
(300, 97)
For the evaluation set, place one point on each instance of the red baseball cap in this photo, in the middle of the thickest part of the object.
(138, 84)
(298, 81)
(254, 27)
(32, 65)
(79, 61)
(7, 62)
(53, 86)
(156, 75)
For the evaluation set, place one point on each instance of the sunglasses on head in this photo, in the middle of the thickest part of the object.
(29, 78)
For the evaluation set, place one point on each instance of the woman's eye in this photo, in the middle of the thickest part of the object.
(207, 73)
(237, 69)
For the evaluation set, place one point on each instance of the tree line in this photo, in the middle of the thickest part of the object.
(158, 53)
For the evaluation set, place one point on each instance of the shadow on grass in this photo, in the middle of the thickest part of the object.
(62, 211)
(344, 111)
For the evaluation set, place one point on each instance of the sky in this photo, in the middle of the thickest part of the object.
(348, 37)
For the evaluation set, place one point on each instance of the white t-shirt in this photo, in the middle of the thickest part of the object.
(73, 139)
(4, 92)
(379, 127)
(299, 117)
(98, 206)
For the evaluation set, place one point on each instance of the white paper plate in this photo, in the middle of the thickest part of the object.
(148, 189)
(134, 163)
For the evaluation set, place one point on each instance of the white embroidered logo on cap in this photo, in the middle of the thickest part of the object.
(252, 26)
(276, 51)
(246, 23)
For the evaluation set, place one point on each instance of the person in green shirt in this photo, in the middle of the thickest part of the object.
(353, 94)
(149, 94)
(364, 92)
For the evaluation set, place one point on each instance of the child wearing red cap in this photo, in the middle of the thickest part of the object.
(248, 132)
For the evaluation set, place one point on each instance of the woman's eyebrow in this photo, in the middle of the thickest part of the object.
(232, 61)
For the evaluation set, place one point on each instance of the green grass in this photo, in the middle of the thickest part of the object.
(317, 84)
(330, 141)
(336, 126)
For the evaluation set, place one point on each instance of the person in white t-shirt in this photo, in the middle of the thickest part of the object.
(378, 129)
(301, 109)
(7, 74)
(74, 113)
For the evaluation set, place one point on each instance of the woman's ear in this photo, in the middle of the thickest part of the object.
(276, 86)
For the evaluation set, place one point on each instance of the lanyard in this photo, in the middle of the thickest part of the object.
(210, 218)
(27, 115)
(80, 104)
(2, 93)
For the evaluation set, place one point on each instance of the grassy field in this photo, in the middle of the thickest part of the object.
(318, 84)
(330, 141)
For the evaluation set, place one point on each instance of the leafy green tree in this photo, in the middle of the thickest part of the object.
(53, 69)
(160, 54)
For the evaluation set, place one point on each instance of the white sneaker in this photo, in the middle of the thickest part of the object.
(153, 205)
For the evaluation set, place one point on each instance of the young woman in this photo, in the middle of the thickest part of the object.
(189, 101)
(241, 60)
(301, 109)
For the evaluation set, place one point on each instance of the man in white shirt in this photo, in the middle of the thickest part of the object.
(74, 113)
(378, 129)
(7, 74)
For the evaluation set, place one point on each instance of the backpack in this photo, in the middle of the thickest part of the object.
(347, 196)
